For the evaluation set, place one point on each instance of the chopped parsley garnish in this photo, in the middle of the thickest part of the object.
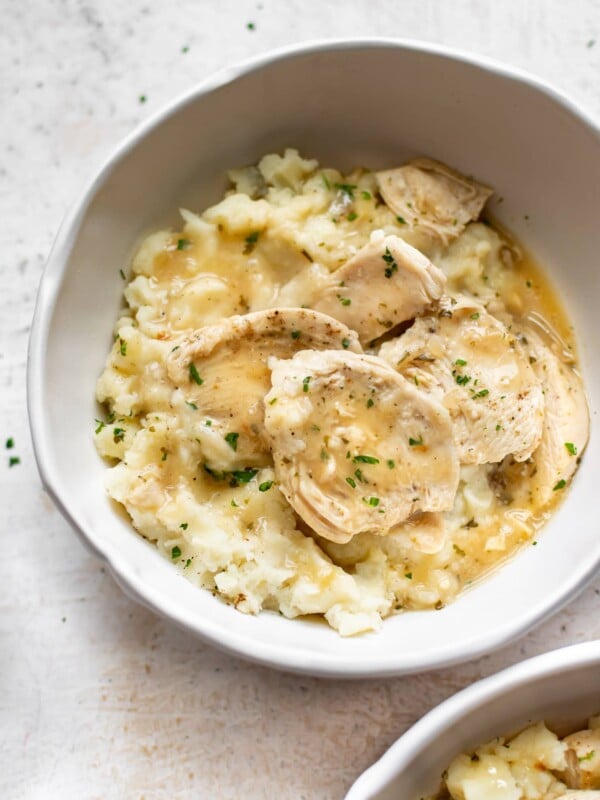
(365, 460)
(184, 526)
(142, 98)
(415, 442)
(587, 756)
(234, 504)
(194, 376)
(391, 263)
(123, 346)
(183, 244)
(470, 524)
(208, 423)
(498, 427)
(460, 362)
(391, 463)
(232, 439)
(305, 382)
(244, 475)
(408, 575)
(98, 429)
(165, 454)
(475, 315)
(10, 442)
(118, 434)
(401, 220)
(462, 380)
(122, 274)
(346, 188)
(265, 486)
(374, 501)
(528, 284)
(365, 195)
(187, 563)
(352, 216)
(481, 393)
(571, 448)
(370, 402)
(251, 241)
(13, 461)
(175, 552)
(193, 406)
(272, 401)
(326, 183)
(345, 343)
(458, 550)
(351, 482)
(296, 334)
(345, 301)
(559, 485)
(251, 26)
(359, 476)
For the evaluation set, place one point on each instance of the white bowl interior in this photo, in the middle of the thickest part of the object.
(561, 688)
(374, 104)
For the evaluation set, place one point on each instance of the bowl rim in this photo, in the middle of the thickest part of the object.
(449, 713)
(270, 654)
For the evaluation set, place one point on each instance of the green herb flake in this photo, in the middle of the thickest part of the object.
(175, 552)
(359, 476)
(185, 49)
(193, 406)
(401, 220)
(234, 504)
(123, 346)
(326, 183)
(408, 575)
(498, 427)
(458, 550)
(587, 756)
(370, 402)
(99, 427)
(528, 284)
(118, 435)
(345, 301)
(590, 43)
(10, 442)
(305, 382)
(415, 442)
(194, 375)
(374, 501)
(296, 334)
(460, 362)
(244, 475)
(187, 563)
(208, 423)
(365, 195)
(272, 401)
(365, 460)
(251, 26)
(481, 393)
(559, 485)
(251, 241)
(571, 448)
(351, 482)
(142, 98)
(470, 524)
(475, 315)
(184, 526)
(13, 461)
(391, 263)
(122, 274)
(462, 380)
(165, 454)
(346, 188)
(352, 216)
(183, 244)
(345, 343)
(391, 463)
(265, 486)
(232, 439)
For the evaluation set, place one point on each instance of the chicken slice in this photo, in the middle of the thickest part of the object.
(222, 370)
(433, 197)
(583, 760)
(356, 447)
(385, 283)
(470, 362)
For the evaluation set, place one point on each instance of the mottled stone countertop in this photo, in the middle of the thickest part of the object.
(100, 698)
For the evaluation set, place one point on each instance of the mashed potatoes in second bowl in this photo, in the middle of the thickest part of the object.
(339, 395)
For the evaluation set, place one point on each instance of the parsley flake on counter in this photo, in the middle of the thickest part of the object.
(10, 442)
(251, 26)
(122, 274)
(194, 375)
(265, 486)
(13, 461)
(559, 485)
(365, 460)
(571, 448)
(183, 244)
(175, 552)
(142, 98)
(232, 439)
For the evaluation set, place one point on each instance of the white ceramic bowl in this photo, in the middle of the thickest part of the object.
(373, 102)
(561, 687)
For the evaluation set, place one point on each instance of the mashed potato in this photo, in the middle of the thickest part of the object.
(191, 466)
(534, 765)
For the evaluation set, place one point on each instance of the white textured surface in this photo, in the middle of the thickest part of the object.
(100, 699)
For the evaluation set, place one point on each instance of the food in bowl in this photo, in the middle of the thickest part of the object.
(535, 764)
(340, 395)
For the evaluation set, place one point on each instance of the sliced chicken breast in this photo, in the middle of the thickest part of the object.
(430, 196)
(356, 447)
(566, 421)
(470, 362)
(222, 369)
(385, 283)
